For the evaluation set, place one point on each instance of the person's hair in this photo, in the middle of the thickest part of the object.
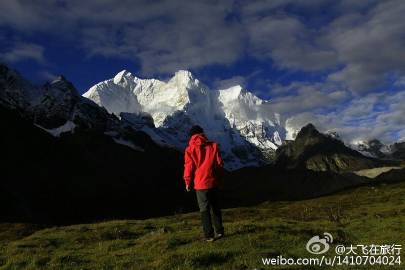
(195, 130)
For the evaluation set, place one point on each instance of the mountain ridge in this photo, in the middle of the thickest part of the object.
(321, 152)
(111, 167)
(248, 130)
(244, 125)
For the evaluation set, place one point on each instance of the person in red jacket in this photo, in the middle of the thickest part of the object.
(203, 167)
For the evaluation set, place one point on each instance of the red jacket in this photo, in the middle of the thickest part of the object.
(202, 162)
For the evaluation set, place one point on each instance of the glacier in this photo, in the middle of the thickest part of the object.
(246, 127)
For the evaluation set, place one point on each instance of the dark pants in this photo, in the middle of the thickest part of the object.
(207, 201)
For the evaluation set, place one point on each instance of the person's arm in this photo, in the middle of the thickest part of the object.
(188, 169)
(218, 158)
(219, 164)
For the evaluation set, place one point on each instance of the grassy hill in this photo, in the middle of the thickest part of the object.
(365, 215)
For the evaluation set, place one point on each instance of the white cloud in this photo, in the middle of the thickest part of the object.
(360, 119)
(370, 45)
(304, 97)
(163, 35)
(47, 75)
(354, 51)
(23, 51)
(359, 46)
(229, 82)
(288, 42)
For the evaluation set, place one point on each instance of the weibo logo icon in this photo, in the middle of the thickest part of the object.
(319, 245)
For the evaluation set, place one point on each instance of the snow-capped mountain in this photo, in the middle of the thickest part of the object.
(245, 126)
(60, 105)
(317, 151)
(372, 148)
(57, 107)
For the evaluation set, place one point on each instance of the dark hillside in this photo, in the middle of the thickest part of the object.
(84, 176)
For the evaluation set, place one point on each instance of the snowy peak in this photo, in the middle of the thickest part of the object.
(238, 92)
(231, 94)
(252, 117)
(124, 78)
(115, 95)
(237, 95)
(184, 87)
(245, 126)
(184, 78)
(371, 148)
(123, 74)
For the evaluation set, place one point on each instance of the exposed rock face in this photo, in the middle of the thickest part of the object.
(319, 152)
(55, 105)
(15, 92)
(398, 150)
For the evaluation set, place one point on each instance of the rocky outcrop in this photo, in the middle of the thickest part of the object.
(319, 152)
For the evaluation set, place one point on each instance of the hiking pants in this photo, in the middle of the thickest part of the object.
(208, 201)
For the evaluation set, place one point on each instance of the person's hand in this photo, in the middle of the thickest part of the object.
(188, 188)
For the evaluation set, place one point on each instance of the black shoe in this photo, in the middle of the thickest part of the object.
(219, 235)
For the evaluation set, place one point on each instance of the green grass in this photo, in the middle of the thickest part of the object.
(365, 215)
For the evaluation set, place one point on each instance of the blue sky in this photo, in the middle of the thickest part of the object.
(337, 64)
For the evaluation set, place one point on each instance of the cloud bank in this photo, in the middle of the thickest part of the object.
(354, 49)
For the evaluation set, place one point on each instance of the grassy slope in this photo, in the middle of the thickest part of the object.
(365, 215)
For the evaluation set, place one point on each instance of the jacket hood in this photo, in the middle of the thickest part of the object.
(198, 139)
